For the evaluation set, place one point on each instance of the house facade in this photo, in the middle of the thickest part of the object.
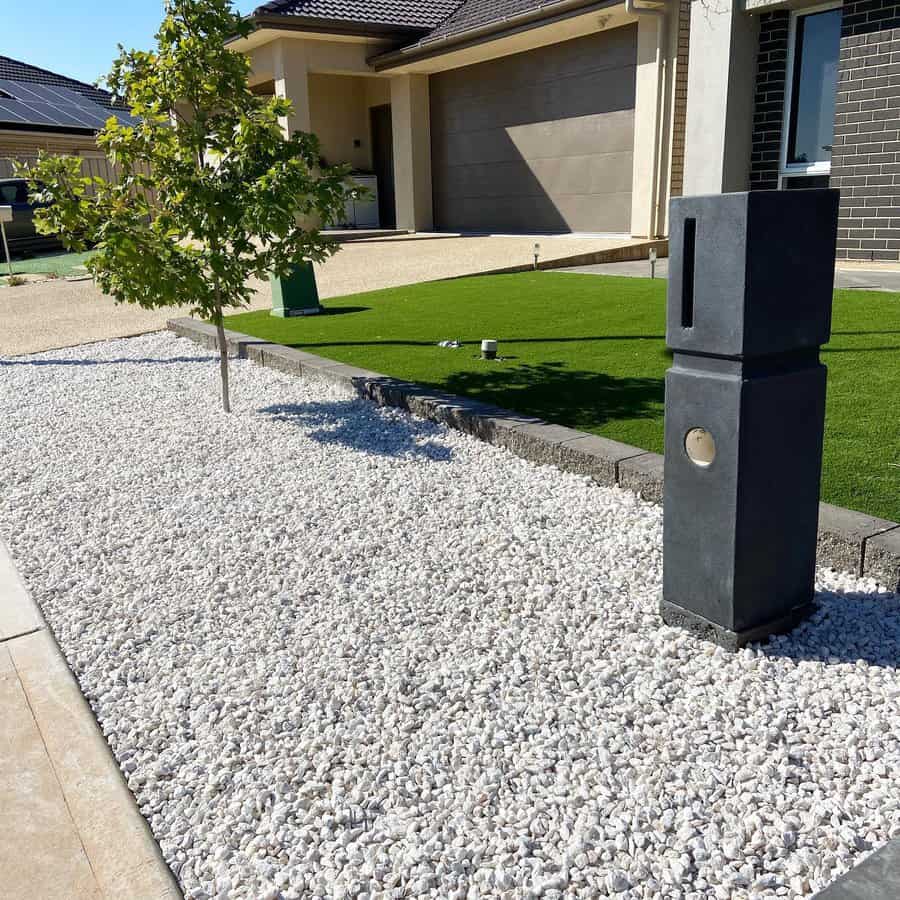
(490, 115)
(532, 116)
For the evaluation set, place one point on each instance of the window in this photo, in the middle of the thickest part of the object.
(13, 192)
(812, 85)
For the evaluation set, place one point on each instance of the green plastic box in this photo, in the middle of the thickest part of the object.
(296, 294)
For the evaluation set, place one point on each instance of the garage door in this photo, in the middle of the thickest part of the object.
(538, 141)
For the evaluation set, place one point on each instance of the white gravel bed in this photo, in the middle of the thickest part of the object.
(341, 652)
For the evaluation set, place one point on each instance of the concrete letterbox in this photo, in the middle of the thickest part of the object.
(750, 287)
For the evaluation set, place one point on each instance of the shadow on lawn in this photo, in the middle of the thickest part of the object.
(469, 344)
(359, 426)
(845, 628)
(555, 392)
(861, 349)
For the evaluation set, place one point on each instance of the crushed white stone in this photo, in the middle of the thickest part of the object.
(340, 652)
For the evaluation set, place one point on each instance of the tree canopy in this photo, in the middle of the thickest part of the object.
(209, 193)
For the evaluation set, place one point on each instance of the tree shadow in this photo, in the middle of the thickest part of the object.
(861, 349)
(845, 627)
(342, 310)
(555, 392)
(358, 425)
(310, 345)
(865, 332)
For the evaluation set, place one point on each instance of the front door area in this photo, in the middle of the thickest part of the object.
(383, 163)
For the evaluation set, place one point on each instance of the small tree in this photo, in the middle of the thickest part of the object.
(210, 191)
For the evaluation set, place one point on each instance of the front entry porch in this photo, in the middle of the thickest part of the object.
(377, 124)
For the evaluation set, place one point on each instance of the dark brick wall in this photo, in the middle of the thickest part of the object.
(679, 113)
(865, 163)
(768, 108)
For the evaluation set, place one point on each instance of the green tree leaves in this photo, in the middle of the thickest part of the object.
(210, 192)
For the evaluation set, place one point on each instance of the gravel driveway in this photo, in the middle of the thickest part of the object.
(50, 314)
(340, 652)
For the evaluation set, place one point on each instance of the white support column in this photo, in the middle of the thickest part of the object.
(411, 121)
(647, 123)
(292, 82)
(721, 76)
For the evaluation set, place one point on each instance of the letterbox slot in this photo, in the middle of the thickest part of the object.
(687, 273)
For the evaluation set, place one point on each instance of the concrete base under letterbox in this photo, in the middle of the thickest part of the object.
(678, 617)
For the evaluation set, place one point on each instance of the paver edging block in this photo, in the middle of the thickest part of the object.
(848, 540)
(877, 877)
(643, 474)
(597, 457)
(844, 535)
(882, 557)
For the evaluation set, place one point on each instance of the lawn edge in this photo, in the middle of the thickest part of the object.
(848, 540)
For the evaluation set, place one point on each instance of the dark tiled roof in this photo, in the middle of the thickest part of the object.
(417, 14)
(474, 13)
(14, 70)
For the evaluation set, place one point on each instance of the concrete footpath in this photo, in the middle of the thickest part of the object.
(69, 827)
(863, 277)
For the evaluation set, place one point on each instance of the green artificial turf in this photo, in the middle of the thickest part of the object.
(59, 264)
(588, 351)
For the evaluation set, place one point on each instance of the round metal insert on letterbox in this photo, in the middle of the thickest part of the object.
(700, 447)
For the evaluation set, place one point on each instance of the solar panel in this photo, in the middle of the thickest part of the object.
(24, 112)
(38, 104)
(123, 117)
(54, 94)
(8, 113)
(18, 91)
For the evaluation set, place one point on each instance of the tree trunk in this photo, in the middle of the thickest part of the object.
(223, 356)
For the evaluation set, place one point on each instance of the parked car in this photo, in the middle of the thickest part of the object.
(21, 233)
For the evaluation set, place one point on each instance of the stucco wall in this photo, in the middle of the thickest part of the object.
(721, 82)
(378, 91)
(339, 114)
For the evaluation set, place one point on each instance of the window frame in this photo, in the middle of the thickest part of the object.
(786, 169)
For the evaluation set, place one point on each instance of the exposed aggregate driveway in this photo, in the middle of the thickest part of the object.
(50, 314)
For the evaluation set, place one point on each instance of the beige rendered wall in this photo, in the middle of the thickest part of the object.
(411, 121)
(649, 88)
(339, 115)
(378, 91)
(721, 77)
(661, 86)
(290, 71)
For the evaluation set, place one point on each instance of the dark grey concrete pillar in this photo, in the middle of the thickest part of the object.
(750, 287)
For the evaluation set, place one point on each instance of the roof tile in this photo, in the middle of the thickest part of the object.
(475, 13)
(420, 14)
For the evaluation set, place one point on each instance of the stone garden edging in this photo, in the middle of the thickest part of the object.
(848, 540)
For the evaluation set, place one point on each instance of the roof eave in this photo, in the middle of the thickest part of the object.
(342, 27)
(48, 129)
(426, 49)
